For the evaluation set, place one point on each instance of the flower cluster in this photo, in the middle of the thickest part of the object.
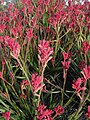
(45, 52)
(77, 85)
(11, 44)
(43, 113)
(44, 28)
(86, 72)
(46, 114)
(80, 83)
(85, 47)
(66, 62)
(58, 110)
(36, 82)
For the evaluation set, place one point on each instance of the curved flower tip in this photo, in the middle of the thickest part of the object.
(6, 115)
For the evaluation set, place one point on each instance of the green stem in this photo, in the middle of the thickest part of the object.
(85, 83)
(64, 76)
(24, 71)
(80, 107)
(56, 45)
(27, 50)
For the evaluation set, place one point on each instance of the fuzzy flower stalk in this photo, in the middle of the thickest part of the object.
(66, 65)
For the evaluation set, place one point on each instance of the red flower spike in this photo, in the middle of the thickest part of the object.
(86, 72)
(36, 82)
(2, 27)
(82, 64)
(45, 52)
(65, 55)
(59, 110)
(88, 112)
(77, 85)
(29, 34)
(14, 31)
(6, 115)
(66, 65)
(43, 113)
(85, 47)
(66, 62)
(12, 45)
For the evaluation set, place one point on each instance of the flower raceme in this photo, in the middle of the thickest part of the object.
(11, 44)
(36, 82)
(77, 85)
(43, 113)
(45, 52)
(66, 62)
(29, 34)
(85, 47)
(46, 114)
(58, 110)
(86, 72)
(82, 64)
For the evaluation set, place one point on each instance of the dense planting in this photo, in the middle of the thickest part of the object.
(45, 60)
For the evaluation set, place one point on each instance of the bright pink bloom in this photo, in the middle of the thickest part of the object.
(58, 110)
(88, 112)
(45, 52)
(12, 45)
(85, 47)
(66, 61)
(36, 82)
(19, 27)
(2, 27)
(43, 113)
(86, 72)
(16, 49)
(66, 64)
(14, 31)
(6, 115)
(29, 34)
(65, 55)
(77, 85)
(82, 64)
